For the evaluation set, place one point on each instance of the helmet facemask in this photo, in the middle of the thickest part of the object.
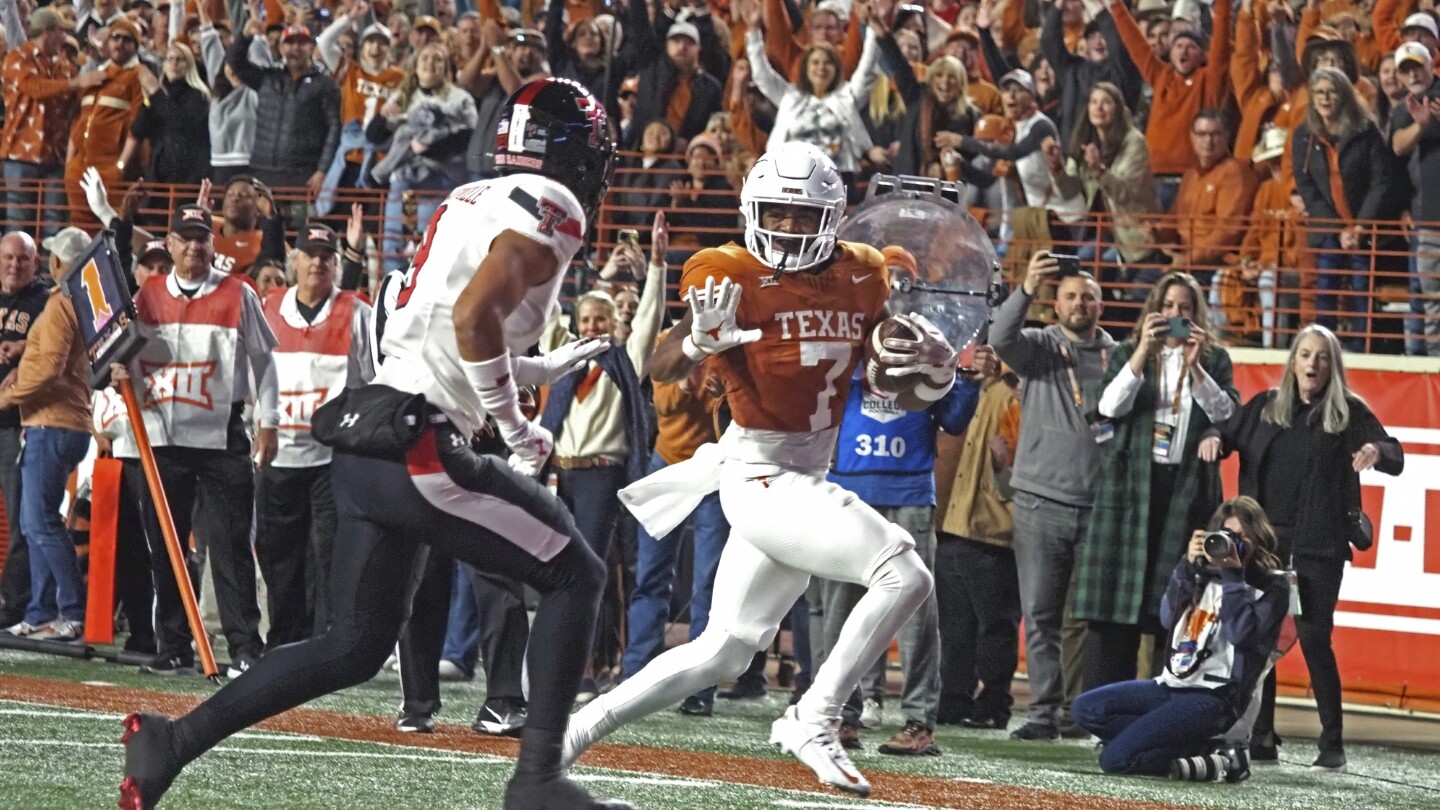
(790, 252)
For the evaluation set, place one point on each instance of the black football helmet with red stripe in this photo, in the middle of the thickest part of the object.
(555, 127)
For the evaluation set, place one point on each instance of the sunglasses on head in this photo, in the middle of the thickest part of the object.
(122, 38)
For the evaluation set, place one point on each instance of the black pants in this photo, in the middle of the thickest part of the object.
(1112, 649)
(1319, 593)
(978, 594)
(213, 493)
(15, 580)
(294, 546)
(504, 633)
(590, 495)
(133, 585)
(384, 520)
(423, 636)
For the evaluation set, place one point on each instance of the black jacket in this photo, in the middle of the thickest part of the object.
(1423, 161)
(176, 121)
(18, 312)
(297, 126)
(1373, 178)
(1330, 483)
(1250, 623)
(604, 86)
(659, 77)
(1077, 74)
(909, 159)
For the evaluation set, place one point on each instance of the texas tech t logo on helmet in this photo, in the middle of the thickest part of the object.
(555, 127)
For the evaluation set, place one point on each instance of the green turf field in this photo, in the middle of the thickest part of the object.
(69, 758)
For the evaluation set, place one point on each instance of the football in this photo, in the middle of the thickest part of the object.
(877, 377)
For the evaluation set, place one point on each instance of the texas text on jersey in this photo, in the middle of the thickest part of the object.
(796, 377)
(419, 346)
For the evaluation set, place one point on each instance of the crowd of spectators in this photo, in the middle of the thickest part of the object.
(1066, 120)
(1250, 167)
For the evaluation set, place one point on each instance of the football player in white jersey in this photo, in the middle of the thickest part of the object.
(474, 299)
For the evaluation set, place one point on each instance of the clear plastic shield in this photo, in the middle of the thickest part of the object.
(941, 260)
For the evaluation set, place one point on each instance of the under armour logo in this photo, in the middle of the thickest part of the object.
(456, 440)
(350, 420)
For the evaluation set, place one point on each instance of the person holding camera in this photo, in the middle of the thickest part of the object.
(1063, 441)
(1302, 448)
(1223, 608)
(1164, 388)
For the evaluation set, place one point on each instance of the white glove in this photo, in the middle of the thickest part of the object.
(712, 320)
(94, 189)
(551, 366)
(494, 382)
(931, 356)
(530, 446)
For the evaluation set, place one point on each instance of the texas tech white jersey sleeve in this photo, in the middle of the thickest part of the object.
(418, 345)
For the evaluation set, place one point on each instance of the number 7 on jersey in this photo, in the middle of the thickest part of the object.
(838, 355)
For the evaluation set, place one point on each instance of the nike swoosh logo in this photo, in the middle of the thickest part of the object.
(858, 279)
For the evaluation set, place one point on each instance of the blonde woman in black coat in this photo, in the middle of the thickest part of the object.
(1302, 448)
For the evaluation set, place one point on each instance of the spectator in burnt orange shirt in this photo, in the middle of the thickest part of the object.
(100, 136)
(39, 85)
(1194, 79)
(1214, 197)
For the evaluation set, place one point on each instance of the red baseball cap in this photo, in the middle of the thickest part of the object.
(295, 32)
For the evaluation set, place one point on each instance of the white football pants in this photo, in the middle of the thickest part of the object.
(785, 527)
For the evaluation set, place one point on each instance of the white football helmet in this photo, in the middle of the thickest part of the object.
(793, 173)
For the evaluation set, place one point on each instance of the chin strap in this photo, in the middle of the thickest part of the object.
(780, 268)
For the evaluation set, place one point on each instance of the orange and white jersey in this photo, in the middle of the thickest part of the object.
(237, 254)
(362, 95)
(813, 326)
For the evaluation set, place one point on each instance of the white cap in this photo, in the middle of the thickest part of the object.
(1413, 52)
(1422, 20)
(684, 29)
(377, 30)
(1020, 77)
(67, 244)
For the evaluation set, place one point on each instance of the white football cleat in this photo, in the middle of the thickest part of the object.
(817, 745)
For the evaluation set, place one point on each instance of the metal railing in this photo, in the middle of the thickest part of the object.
(1369, 292)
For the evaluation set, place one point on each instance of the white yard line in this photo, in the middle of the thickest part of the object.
(612, 776)
(472, 759)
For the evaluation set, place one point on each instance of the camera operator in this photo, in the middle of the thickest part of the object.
(1223, 608)
(1302, 448)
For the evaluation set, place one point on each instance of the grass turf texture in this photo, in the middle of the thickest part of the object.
(69, 758)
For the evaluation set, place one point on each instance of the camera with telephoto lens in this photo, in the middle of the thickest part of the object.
(1224, 544)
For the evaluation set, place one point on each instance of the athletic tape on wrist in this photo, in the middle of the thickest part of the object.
(494, 381)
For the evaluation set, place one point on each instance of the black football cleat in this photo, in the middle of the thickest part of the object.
(557, 794)
(151, 763)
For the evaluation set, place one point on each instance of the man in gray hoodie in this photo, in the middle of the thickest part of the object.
(1063, 441)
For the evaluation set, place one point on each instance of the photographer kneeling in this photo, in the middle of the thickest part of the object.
(1223, 608)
